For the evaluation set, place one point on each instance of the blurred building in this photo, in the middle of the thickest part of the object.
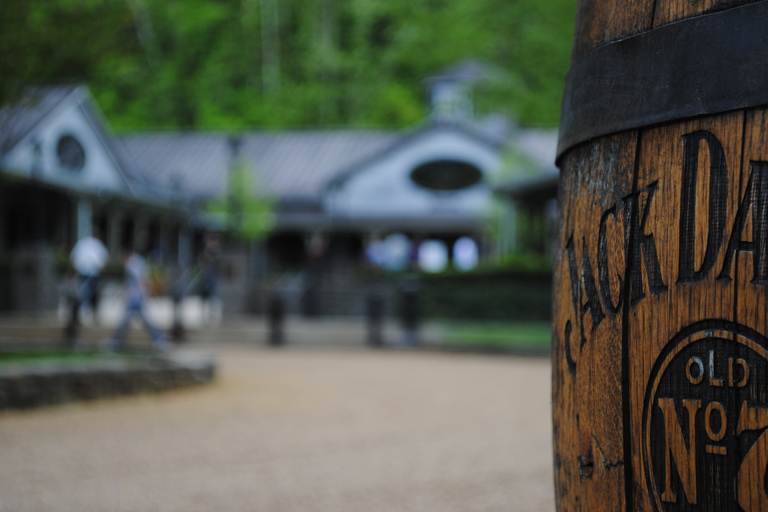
(531, 192)
(61, 175)
(64, 174)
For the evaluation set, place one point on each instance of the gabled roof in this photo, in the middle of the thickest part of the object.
(289, 164)
(540, 183)
(302, 163)
(540, 146)
(532, 189)
(294, 166)
(177, 163)
(19, 119)
(430, 126)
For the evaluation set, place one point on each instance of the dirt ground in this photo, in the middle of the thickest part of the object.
(298, 430)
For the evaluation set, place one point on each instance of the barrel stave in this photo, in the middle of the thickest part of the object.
(588, 389)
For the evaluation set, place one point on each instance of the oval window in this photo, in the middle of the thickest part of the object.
(446, 175)
(71, 153)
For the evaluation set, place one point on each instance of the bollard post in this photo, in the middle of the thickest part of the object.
(409, 304)
(73, 322)
(375, 317)
(70, 331)
(177, 331)
(276, 313)
(310, 305)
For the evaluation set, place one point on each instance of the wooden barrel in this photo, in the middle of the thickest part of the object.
(660, 336)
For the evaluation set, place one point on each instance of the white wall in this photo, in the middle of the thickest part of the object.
(385, 189)
(99, 171)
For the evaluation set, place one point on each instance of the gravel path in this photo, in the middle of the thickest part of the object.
(298, 430)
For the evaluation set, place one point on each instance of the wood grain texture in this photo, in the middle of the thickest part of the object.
(589, 289)
(588, 392)
(669, 11)
(660, 337)
(750, 275)
(602, 21)
(752, 298)
(656, 316)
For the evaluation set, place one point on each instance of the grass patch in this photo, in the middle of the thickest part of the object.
(498, 335)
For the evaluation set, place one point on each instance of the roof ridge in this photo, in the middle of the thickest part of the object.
(9, 139)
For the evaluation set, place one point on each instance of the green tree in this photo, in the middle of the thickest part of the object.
(243, 212)
(46, 41)
(226, 64)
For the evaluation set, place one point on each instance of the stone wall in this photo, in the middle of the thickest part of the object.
(29, 386)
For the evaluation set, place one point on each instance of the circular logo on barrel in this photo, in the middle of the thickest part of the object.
(705, 421)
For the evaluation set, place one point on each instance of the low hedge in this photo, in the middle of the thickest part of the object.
(499, 295)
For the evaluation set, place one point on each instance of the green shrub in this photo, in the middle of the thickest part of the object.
(488, 295)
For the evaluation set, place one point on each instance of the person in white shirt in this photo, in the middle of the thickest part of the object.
(88, 257)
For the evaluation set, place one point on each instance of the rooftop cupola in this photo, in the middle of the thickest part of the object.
(450, 91)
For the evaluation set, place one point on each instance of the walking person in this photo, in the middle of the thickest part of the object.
(88, 257)
(208, 262)
(135, 292)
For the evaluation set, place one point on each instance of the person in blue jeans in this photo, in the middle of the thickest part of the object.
(135, 291)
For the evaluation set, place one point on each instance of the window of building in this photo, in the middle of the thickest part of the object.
(71, 153)
(446, 175)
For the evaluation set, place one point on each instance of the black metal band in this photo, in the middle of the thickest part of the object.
(703, 65)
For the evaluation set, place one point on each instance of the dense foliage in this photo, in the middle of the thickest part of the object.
(280, 63)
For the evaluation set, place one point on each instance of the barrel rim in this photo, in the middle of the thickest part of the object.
(705, 65)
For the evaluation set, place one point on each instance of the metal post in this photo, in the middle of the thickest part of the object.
(177, 331)
(375, 317)
(276, 314)
(71, 329)
(410, 310)
(310, 306)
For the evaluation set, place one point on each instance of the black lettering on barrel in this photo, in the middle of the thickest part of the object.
(643, 249)
(590, 289)
(582, 283)
(755, 200)
(573, 274)
(677, 450)
(718, 203)
(603, 272)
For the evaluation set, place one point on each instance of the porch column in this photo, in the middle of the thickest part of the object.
(115, 232)
(84, 218)
(186, 249)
